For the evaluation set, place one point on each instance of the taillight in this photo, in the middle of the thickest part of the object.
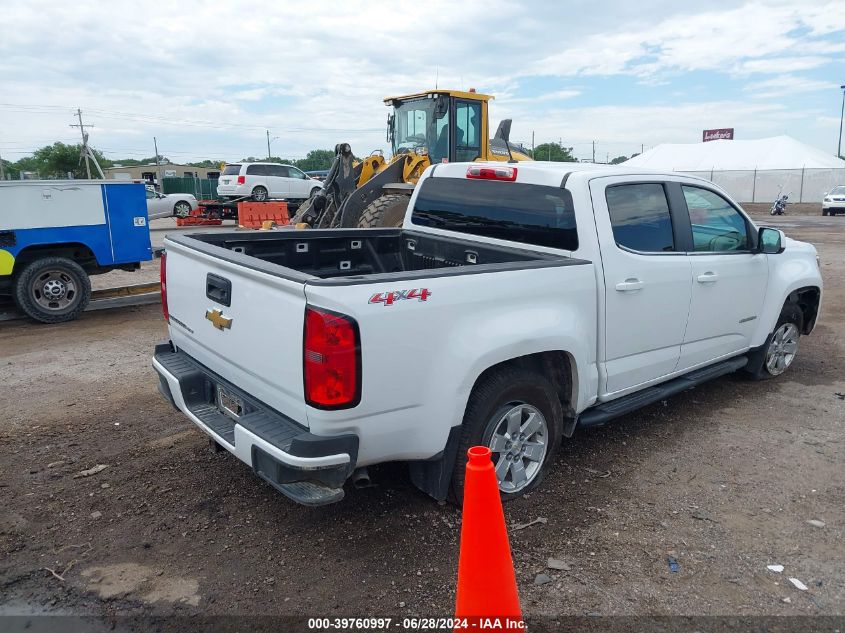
(241, 180)
(478, 172)
(331, 360)
(164, 287)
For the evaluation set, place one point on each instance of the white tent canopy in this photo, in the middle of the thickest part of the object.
(776, 152)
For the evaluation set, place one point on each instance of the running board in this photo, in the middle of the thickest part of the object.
(603, 413)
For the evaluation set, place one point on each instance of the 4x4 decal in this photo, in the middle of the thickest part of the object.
(389, 298)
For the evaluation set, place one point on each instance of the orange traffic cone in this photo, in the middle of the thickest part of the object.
(487, 596)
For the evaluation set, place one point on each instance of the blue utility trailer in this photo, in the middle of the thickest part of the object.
(55, 233)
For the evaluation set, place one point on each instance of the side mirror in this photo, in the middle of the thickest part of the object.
(770, 241)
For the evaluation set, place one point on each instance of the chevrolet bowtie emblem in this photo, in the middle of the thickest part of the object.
(218, 320)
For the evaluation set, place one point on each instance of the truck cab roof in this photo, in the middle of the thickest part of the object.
(549, 173)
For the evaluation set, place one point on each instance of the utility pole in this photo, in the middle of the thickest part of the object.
(841, 115)
(594, 151)
(532, 143)
(268, 144)
(2, 170)
(158, 167)
(84, 141)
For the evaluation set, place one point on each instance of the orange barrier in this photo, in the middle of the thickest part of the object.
(487, 590)
(253, 215)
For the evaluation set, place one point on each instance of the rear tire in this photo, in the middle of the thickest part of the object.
(527, 399)
(52, 290)
(387, 211)
(182, 209)
(259, 194)
(781, 347)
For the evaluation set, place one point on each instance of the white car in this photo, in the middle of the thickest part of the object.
(264, 181)
(834, 201)
(515, 305)
(160, 205)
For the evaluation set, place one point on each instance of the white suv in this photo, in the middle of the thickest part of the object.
(263, 181)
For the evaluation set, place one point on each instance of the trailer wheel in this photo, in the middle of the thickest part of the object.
(52, 290)
(386, 211)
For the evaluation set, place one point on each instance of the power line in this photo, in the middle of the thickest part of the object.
(151, 118)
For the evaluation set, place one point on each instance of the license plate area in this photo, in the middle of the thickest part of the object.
(229, 404)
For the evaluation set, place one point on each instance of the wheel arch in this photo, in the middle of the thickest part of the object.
(556, 365)
(808, 300)
(81, 253)
(433, 476)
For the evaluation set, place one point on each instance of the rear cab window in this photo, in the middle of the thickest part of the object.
(639, 215)
(231, 170)
(518, 212)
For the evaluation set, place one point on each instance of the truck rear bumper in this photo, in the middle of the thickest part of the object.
(307, 468)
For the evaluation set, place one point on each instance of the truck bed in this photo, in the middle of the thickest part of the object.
(357, 255)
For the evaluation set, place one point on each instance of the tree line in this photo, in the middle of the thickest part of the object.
(61, 160)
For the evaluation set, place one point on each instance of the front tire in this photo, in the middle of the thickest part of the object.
(781, 346)
(517, 413)
(52, 290)
(259, 194)
(387, 211)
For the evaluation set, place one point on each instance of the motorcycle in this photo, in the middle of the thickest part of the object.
(779, 205)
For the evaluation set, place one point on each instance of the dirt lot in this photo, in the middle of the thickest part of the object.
(723, 478)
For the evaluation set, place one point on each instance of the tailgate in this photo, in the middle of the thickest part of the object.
(256, 343)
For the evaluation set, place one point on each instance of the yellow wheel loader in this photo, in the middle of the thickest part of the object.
(431, 127)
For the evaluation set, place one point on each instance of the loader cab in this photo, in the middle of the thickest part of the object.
(449, 126)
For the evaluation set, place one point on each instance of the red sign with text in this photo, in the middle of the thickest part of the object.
(725, 133)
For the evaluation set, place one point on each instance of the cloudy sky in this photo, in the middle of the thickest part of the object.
(208, 78)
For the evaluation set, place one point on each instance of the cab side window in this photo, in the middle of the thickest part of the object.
(467, 131)
(717, 226)
(639, 214)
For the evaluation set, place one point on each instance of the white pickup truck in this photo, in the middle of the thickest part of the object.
(516, 304)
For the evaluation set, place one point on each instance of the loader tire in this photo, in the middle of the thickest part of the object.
(387, 211)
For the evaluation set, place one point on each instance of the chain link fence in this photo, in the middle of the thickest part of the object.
(201, 188)
(752, 185)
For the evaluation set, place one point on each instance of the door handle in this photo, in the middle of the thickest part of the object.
(218, 289)
(629, 285)
(708, 278)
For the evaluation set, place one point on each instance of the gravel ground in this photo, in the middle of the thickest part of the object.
(723, 479)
